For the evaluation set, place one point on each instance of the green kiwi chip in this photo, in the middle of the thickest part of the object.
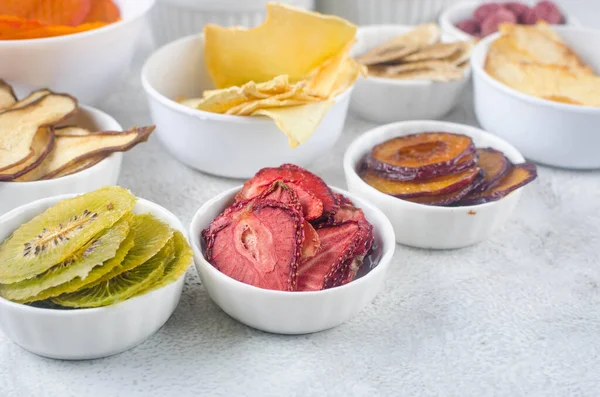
(91, 255)
(119, 288)
(57, 233)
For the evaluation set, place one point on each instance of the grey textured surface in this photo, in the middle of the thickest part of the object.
(517, 315)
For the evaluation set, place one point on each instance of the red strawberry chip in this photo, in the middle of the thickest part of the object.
(519, 9)
(485, 10)
(549, 12)
(469, 26)
(349, 212)
(492, 22)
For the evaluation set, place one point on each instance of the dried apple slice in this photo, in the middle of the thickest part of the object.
(42, 145)
(517, 176)
(447, 199)
(432, 187)
(420, 156)
(19, 126)
(31, 98)
(7, 96)
(72, 149)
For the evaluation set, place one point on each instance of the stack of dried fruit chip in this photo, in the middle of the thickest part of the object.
(288, 231)
(33, 19)
(289, 69)
(442, 169)
(91, 251)
(34, 148)
(418, 55)
(535, 60)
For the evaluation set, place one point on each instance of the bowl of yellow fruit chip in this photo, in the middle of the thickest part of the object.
(231, 101)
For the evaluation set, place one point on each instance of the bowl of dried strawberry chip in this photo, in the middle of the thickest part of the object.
(285, 253)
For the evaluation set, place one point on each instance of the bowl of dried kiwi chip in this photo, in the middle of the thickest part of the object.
(88, 276)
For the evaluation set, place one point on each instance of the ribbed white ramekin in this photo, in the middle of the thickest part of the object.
(173, 19)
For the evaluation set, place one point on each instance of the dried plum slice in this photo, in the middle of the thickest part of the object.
(495, 165)
(432, 187)
(309, 187)
(338, 243)
(447, 199)
(258, 243)
(420, 156)
(517, 176)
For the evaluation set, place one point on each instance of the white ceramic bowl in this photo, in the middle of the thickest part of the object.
(87, 65)
(87, 333)
(426, 226)
(106, 172)
(546, 132)
(371, 12)
(387, 100)
(224, 145)
(174, 19)
(464, 10)
(292, 312)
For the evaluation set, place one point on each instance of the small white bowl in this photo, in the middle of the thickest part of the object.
(372, 12)
(546, 132)
(292, 312)
(83, 334)
(219, 144)
(87, 65)
(387, 100)
(106, 172)
(174, 19)
(425, 226)
(459, 12)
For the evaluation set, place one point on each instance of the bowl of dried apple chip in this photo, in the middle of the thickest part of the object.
(51, 145)
(287, 254)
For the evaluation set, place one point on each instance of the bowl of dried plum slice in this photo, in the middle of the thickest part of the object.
(285, 253)
(442, 185)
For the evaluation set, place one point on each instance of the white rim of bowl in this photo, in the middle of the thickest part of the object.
(82, 172)
(106, 28)
(478, 69)
(174, 105)
(358, 143)
(75, 311)
(387, 237)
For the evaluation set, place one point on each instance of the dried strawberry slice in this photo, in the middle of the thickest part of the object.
(338, 243)
(349, 212)
(309, 187)
(311, 243)
(282, 192)
(258, 243)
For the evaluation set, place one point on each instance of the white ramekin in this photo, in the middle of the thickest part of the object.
(425, 226)
(373, 12)
(291, 312)
(87, 65)
(174, 19)
(387, 100)
(459, 12)
(219, 144)
(106, 172)
(87, 333)
(547, 132)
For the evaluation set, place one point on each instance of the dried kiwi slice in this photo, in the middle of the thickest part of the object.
(116, 289)
(97, 273)
(56, 234)
(99, 249)
(150, 235)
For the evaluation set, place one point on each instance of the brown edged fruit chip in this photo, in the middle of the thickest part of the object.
(495, 165)
(434, 51)
(72, 130)
(79, 166)
(420, 156)
(19, 126)
(517, 176)
(72, 149)
(7, 96)
(41, 146)
(431, 187)
(443, 200)
(31, 98)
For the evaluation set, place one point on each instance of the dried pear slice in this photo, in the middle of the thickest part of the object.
(71, 149)
(41, 146)
(54, 235)
(7, 96)
(31, 98)
(72, 130)
(95, 274)
(79, 166)
(150, 235)
(117, 289)
(93, 254)
(18, 126)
